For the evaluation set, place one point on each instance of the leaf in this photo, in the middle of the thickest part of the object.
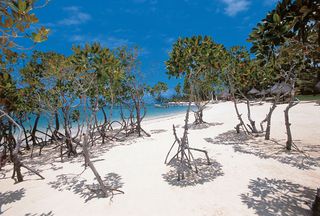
(22, 5)
(8, 23)
(8, 85)
(276, 18)
(5, 76)
(36, 37)
(11, 44)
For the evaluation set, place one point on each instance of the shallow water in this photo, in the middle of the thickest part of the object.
(151, 112)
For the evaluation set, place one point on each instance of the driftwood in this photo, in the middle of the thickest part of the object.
(184, 155)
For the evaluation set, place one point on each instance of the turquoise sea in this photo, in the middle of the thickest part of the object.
(152, 112)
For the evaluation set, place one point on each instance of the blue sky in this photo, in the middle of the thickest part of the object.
(153, 25)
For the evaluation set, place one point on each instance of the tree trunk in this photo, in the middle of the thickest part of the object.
(24, 133)
(57, 120)
(252, 123)
(239, 117)
(288, 129)
(268, 120)
(34, 130)
(71, 150)
(17, 164)
(89, 163)
(57, 127)
(316, 204)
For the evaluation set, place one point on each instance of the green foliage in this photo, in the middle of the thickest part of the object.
(290, 22)
(157, 90)
(197, 60)
(16, 19)
(104, 69)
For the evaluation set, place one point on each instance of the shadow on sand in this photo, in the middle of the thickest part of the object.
(50, 213)
(81, 187)
(158, 131)
(278, 197)
(265, 149)
(206, 173)
(203, 126)
(10, 197)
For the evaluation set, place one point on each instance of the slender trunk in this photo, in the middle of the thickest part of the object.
(137, 105)
(184, 143)
(252, 123)
(198, 115)
(268, 128)
(57, 127)
(89, 163)
(67, 131)
(25, 134)
(291, 104)
(105, 120)
(288, 129)
(57, 120)
(86, 154)
(34, 130)
(103, 129)
(239, 117)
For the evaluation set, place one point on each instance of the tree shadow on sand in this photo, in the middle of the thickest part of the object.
(270, 197)
(273, 149)
(50, 213)
(10, 197)
(81, 187)
(158, 131)
(203, 126)
(206, 173)
(100, 149)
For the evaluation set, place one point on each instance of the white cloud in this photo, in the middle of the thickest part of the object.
(75, 16)
(110, 42)
(233, 7)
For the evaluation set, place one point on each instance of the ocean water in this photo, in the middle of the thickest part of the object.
(152, 112)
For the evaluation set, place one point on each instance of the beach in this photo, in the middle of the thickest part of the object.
(247, 175)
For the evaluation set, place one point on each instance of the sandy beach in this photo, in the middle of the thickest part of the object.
(247, 175)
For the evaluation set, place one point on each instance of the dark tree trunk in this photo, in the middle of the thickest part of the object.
(57, 127)
(25, 135)
(56, 116)
(34, 130)
(138, 109)
(316, 204)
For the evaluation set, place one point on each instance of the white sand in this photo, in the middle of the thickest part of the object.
(251, 178)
